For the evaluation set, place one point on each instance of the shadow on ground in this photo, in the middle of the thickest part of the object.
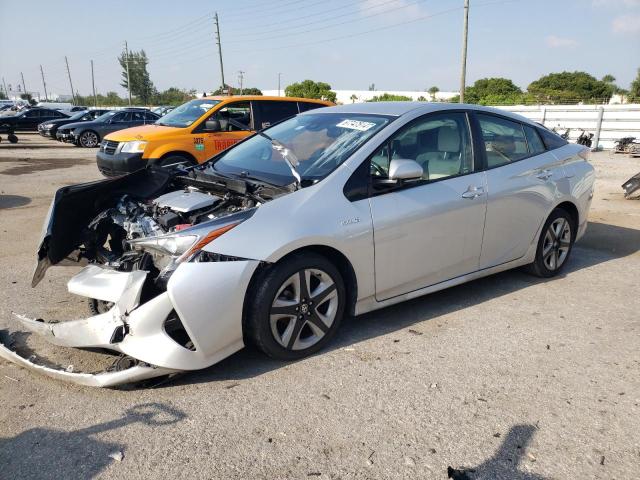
(13, 201)
(43, 453)
(601, 243)
(506, 463)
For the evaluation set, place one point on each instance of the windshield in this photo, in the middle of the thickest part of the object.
(187, 113)
(319, 143)
(78, 115)
(106, 116)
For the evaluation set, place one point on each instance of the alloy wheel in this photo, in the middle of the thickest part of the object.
(89, 139)
(557, 242)
(304, 309)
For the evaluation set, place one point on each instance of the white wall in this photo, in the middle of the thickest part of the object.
(617, 121)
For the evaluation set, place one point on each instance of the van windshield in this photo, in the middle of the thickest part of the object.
(187, 113)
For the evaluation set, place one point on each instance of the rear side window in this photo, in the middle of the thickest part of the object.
(304, 106)
(536, 147)
(273, 112)
(504, 140)
(550, 139)
(121, 117)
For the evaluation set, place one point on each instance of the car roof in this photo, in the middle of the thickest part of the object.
(266, 97)
(398, 109)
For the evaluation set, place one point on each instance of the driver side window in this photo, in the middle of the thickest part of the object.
(234, 117)
(439, 143)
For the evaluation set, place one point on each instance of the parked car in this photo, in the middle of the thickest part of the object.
(89, 134)
(163, 110)
(29, 119)
(50, 128)
(337, 211)
(195, 131)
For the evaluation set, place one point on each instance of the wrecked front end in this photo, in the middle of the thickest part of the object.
(161, 297)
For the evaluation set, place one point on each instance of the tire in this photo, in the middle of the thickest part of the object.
(89, 139)
(171, 159)
(555, 244)
(285, 323)
(96, 307)
(12, 138)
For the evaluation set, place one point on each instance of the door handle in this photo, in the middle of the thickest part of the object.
(545, 175)
(473, 192)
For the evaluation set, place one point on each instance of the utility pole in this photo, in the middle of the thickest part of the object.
(126, 62)
(93, 84)
(465, 34)
(218, 41)
(241, 78)
(279, 77)
(44, 84)
(23, 87)
(73, 95)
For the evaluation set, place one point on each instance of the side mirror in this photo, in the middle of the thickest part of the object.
(402, 169)
(212, 126)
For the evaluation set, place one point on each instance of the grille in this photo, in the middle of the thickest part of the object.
(109, 147)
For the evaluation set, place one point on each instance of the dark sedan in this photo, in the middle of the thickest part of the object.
(29, 119)
(89, 134)
(50, 128)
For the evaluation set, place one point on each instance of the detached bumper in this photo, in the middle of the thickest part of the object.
(205, 299)
(119, 163)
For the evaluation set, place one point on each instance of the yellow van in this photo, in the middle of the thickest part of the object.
(196, 131)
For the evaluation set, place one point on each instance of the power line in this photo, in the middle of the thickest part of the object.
(324, 27)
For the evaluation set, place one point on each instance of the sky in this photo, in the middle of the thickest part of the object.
(350, 44)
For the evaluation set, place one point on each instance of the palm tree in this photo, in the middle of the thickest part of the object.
(353, 98)
(432, 91)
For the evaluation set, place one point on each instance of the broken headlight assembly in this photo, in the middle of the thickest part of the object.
(169, 251)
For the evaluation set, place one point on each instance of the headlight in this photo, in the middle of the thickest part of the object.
(171, 250)
(133, 147)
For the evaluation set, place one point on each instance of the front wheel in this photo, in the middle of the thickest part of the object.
(555, 244)
(297, 307)
(88, 139)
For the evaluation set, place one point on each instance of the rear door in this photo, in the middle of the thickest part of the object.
(30, 120)
(428, 231)
(521, 176)
(269, 112)
(119, 121)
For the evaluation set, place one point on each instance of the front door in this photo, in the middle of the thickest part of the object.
(235, 124)
(428, 231)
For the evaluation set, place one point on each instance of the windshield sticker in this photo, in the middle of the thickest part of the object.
(356, 125)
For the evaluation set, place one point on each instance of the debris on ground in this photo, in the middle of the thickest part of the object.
(117, 456)
(459, 474)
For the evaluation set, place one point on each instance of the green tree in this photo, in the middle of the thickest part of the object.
(422, 98)
(311, 89)
(353, 98)
(570, 87)
(372, 87)
(3, 95)
(634, 89)
(141, 85)
(173, 96)
(28, 97)
(236, 91)
(493, 91)
(389, 97)
(432, 91)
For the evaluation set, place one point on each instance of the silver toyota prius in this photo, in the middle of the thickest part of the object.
(337, 211)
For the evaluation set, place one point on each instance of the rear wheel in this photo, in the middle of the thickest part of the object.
(89, 139)
(555, 244)
(297, 307)
(12, 138)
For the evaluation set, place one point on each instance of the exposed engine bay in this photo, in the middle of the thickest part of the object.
(172, 202)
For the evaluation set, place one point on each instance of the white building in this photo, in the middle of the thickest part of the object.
(359, 96)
